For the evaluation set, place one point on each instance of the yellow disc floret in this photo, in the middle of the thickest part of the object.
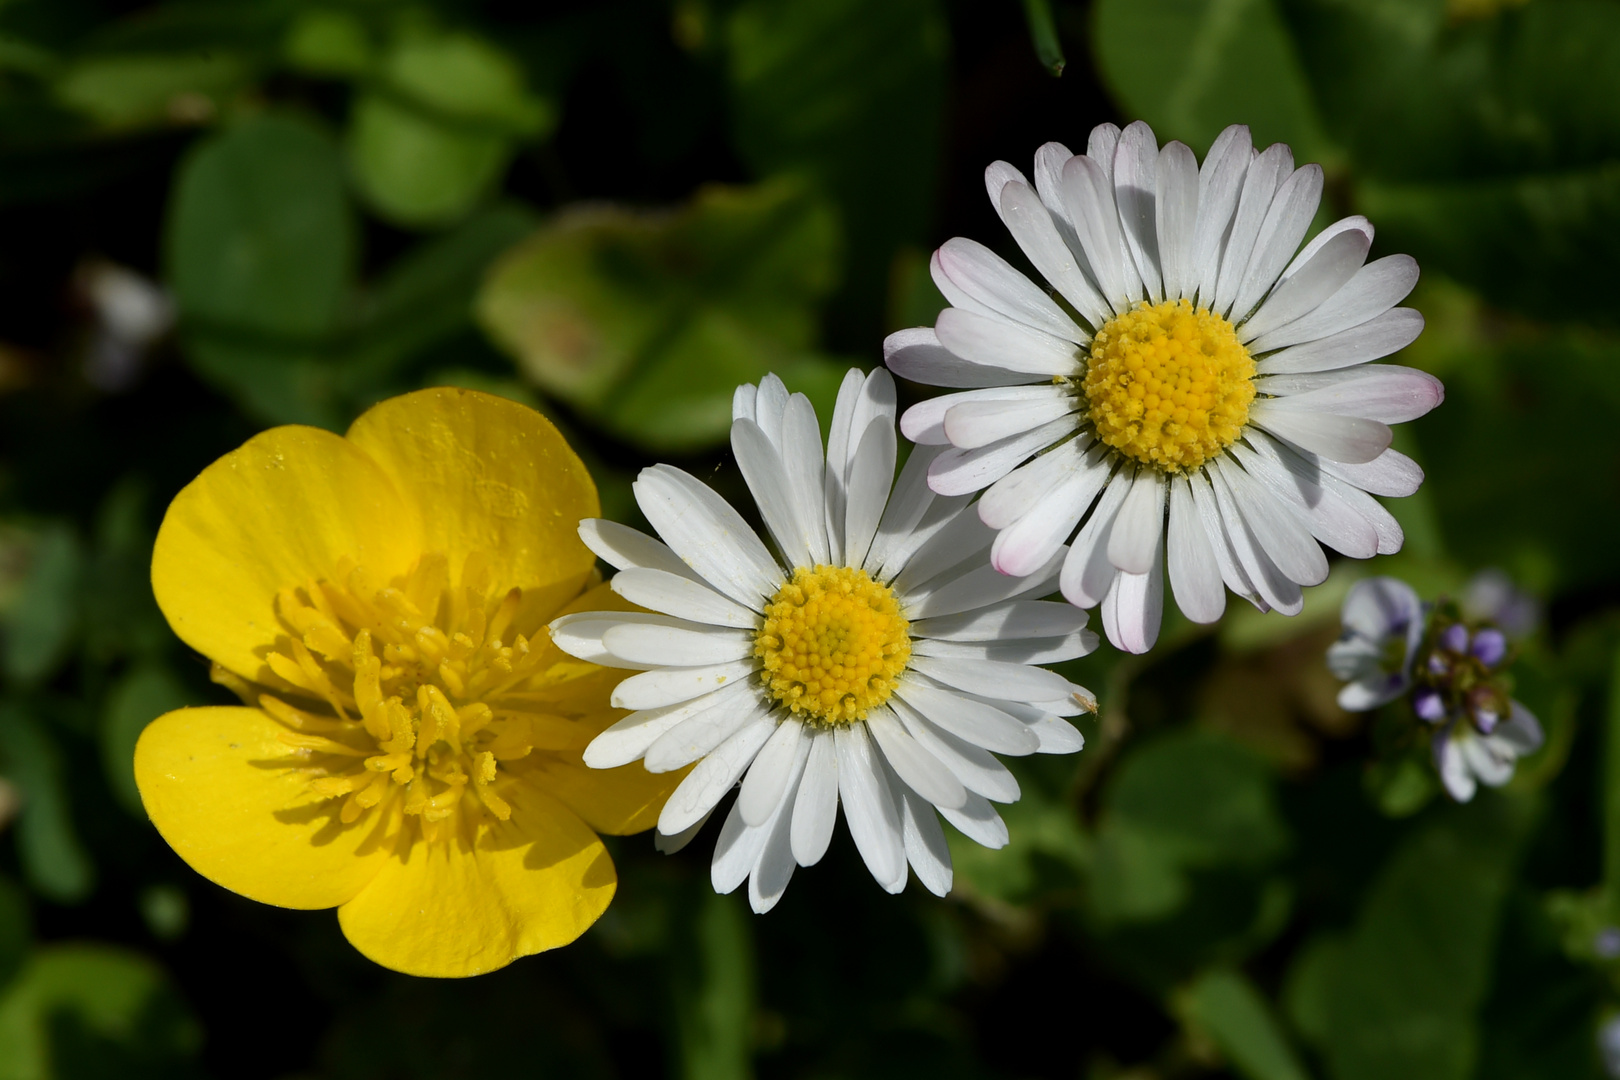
(833, 643)
(1169, 385)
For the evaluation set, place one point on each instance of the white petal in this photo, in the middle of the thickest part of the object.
(921, 770)
(1101, 145)
(924, 422)
(1136, 187)
(710, 536)
(909, 502)
(974, 766)
(1139, 525)
(961, 538)
(1023, 489)
(805, 463)
(1376, 288)
(926, 849)
(1195, 576)
(916, 354)
(670, 686)
(997, 175)
(1030, 542)
(998, 342)
(681, 646)
(1012, 620)
(838, 447)
(1038, 237)
(736, 851)
(978, 278)
(1387, 393)
(1345, 224)
(1380, 608)
(1391, 473)
(684, 597)
(1327, 272)
(1047, 650)
(703, 732)
(1493, 769)
(1521, 731)
(1276, 588)
(1390, 332)
(960, 472)
(1057, 736)
(993, 679)
(742, 401)
(874, 820)
(1134, 607)
(1453, 769)
(773, 771)
(943, 515)
(1049, 162)
(769, 405)
(580, 635)
(1220, 184)
(1260, 184)
(871, 474)
(1280, 530)
(1280, 234)
(669, 845)
(1289, 477)
(774, 867)
(708, 783)
(979, 822)
(973, 424)
(1087, 573)
(1176, 207)
(630, 738)
(1209, 515)
(1350, 439)
(980, 587)
(974, 721)
(622, 547)
(1088, 194)
(815, 811)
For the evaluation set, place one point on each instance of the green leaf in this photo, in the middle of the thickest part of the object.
(466, 78)
(54, 861)
(714, 992)
(142, 695)
(1192, 67)
(851, 94)
(1398, 997)
(120, 92)
(324, 42)
(93, 1011)
(1225, 1006)
(414, 170)
(260, 238)
(39, 607)
(16, 928)
(647, 323)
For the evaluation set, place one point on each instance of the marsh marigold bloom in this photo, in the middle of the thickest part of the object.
(411, 753)
(1193, 395)
(876, 660)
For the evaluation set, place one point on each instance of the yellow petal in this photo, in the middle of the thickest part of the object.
(279, 511)
(218, 784)
(452, 908)
(616, 801)
(492, 476)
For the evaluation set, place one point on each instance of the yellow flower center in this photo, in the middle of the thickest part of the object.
(431, 697)
(1168, 385)
(833, 643)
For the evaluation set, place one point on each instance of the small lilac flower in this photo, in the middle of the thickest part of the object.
(1429, 705)
(1454, 639)
(1609, 1045)
(1489, 646)
(1491, 597)
(1466, 757)
(1606, 943)
(1383, 626)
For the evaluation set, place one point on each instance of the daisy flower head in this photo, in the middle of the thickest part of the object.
(1190, 390)
(875, 659)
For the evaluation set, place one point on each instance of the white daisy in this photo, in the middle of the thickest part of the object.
(1194, 384)
(876, 660)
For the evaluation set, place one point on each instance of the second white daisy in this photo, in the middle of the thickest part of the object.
(878, 662)
(1196, 397)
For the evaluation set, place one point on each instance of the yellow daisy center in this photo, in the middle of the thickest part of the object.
(833, 644)
(431, 696)
(1169, 385)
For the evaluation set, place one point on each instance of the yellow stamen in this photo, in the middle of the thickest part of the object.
(1169, 386)
(833, 644)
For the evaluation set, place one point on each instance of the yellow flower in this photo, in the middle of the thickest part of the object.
(414, 756)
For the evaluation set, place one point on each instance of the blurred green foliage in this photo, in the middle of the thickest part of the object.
(616, 211)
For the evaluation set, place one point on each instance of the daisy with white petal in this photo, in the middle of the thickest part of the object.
(1191, 396)
(875, 659)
